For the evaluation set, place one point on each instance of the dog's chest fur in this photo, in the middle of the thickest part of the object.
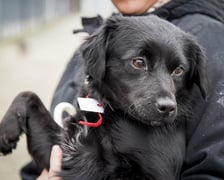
(124, 149)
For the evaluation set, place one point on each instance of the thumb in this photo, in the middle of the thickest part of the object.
(55, 162)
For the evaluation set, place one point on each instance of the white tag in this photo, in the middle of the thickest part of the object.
(89, 104)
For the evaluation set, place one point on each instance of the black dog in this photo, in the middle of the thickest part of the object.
(144, 71)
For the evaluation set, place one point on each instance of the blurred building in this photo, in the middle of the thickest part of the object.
(19, 15)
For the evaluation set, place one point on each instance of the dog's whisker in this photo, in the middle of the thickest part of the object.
(131, 108)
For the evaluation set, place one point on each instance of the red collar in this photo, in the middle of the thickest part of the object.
(96, 124)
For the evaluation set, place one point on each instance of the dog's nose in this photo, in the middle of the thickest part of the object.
(166, 106)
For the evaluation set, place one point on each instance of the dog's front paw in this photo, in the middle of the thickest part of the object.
(11, 127)
(7, 143)
(9, 132)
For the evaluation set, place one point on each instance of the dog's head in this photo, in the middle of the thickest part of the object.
(144, 66)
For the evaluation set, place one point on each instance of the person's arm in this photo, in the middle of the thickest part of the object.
(205, 132)
(71, 80)
(69, 84)
(205, 148)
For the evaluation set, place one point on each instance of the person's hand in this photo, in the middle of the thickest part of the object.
(55, 165)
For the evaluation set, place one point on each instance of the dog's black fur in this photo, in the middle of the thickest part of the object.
(143, 69)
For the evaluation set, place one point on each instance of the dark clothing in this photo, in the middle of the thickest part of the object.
(30, 172)
(179, 8)
(205, 134)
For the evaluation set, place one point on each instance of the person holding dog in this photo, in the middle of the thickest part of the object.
(205, 135)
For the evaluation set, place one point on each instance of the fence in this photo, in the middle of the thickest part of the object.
(19, 15)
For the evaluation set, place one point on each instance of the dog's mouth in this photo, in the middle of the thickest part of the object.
(169, 119)
(154, 120)
(163, 121)
(156, 123)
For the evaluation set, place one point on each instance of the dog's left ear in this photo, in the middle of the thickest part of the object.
(94, 49)
(94, 55)
(197, 60)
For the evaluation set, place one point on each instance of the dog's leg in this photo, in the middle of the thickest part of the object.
(28, 115)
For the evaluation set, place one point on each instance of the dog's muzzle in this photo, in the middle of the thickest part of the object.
(166, 109)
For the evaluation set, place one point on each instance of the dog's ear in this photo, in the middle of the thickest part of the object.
(198, 73)
(94, 55)
(94, 49)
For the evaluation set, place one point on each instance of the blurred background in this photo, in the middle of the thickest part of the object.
(36, 42)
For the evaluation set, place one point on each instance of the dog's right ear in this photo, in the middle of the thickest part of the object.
(94, 50)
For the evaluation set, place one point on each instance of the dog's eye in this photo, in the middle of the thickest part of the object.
(139, 63)
(178, 71)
